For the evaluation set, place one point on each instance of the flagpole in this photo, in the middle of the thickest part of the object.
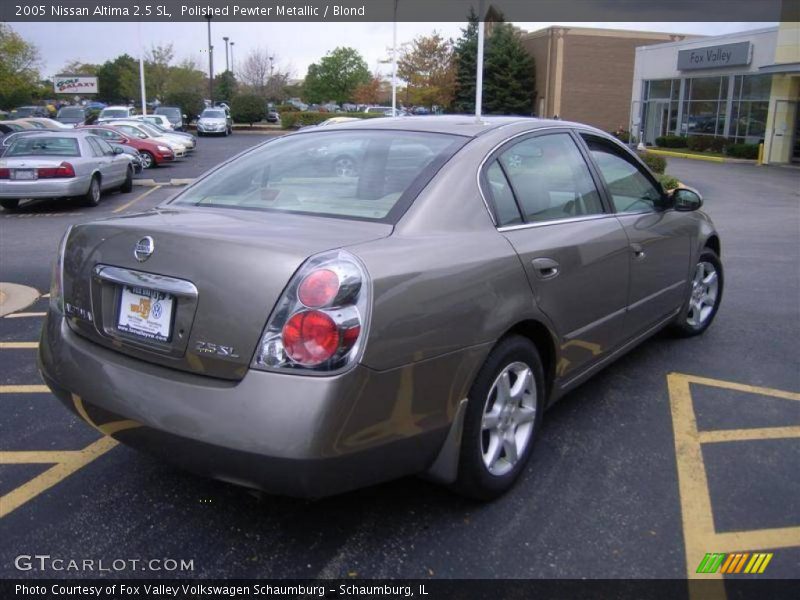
(394, 61)
(141, 71)
(479, 74)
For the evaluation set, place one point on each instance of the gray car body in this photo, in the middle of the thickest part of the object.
(447, 284)
(110, 169)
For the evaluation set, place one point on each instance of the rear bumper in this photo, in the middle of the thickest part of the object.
(286, 434)
(44, 188)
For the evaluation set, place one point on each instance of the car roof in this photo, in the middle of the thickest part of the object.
(464, 125)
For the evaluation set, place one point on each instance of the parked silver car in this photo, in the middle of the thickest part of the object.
(214, 121)
(287, 327)
(60, 165)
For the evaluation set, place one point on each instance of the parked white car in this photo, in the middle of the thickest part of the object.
(115, 112)
(142, 131)
(157, 119)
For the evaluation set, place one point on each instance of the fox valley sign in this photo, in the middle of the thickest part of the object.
(715, 57)
(71, 84)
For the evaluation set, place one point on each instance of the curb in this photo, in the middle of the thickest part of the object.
(716, 159)
(14, 297)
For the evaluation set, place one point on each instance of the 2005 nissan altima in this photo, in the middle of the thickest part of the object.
(293, 326)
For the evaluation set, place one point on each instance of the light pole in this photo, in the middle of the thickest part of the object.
(227, 67)
(210, 60)
(231, 57)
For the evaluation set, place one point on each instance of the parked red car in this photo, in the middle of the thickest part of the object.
(153, 153)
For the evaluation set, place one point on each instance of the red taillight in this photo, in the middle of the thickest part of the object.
(5, 173)
(65, 169)
(319, 288)
(310, 337)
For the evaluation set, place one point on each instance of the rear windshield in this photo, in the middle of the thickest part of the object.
(114, 112)
(71, 112)
(367, 175)
(213, 114)
(24, 111)
(44, 146)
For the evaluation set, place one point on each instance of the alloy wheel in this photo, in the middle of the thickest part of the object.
(703, 299)
(508, 418)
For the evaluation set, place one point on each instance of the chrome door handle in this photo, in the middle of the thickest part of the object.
(638, 252)
(546, 268)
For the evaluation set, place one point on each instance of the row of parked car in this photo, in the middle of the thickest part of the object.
(42, 157)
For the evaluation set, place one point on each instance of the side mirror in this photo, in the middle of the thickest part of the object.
(685, 199)
(117, 150)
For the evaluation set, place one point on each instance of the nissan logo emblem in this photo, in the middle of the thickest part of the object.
(144, 248)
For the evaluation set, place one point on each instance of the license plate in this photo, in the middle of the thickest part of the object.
(24, 174)
(146, 313)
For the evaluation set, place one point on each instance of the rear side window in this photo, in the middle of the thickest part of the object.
(505, 206)
(550, 179)
(44, 146)
(366, 174)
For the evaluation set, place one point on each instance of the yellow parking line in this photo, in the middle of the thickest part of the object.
(24, 315)
(36, 457)
(18, 345)
(139, 197)
(743, 435)
(68, 463)
(24, 389)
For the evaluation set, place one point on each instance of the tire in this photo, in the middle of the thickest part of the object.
(9, 204)
(148, 160)
(704, 298)
(92, 197)
(127, 186)
(492, 434)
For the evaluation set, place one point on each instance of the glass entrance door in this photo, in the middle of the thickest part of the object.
(657, 123)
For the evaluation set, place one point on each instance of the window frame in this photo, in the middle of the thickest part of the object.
(636, 162)
(494, 155)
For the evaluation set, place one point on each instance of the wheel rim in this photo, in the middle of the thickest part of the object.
(345, 167)
(95, 191)
(508, 418)
(147, 161)
(703, 299)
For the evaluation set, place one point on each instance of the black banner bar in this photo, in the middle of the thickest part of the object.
(423, 589)
(402, 10)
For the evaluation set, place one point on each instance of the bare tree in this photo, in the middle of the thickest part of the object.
(261, 73)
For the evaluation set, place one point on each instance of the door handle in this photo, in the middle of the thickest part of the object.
(546, 268)
(638, 252)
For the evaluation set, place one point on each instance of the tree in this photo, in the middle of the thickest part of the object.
(190, 102)
(466, 57)
(186, 77)
(157, 70)
(19, 62)
(508, 70)
(225, 86)
(508, 76)
(337, 76)
(248, 108)
(118, 80)
(368, 93)
(427, 65)
(77, 67)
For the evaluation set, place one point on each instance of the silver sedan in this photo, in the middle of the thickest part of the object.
(62, 165)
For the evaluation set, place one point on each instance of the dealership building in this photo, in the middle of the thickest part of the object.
(743, 86)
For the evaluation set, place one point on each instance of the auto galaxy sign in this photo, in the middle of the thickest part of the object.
(71, 84)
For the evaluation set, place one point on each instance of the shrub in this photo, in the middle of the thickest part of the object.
(671, 141)
(668, 182)
(708, 143)
(622, 135)
(742, 150)
(302, 119)
(247, 108)
(656, 163)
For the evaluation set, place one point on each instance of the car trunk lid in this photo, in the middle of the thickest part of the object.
(218, 274)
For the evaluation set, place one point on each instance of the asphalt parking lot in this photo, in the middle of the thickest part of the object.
(681, 448)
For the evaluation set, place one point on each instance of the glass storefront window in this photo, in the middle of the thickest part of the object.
(706, 88)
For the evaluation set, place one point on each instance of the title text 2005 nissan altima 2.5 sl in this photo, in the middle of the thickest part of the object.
(291, 326)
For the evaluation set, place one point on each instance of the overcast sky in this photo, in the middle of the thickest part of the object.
(295, 45)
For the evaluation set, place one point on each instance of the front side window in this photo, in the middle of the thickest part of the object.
(550, 178)
(370, 175)
(630, 188)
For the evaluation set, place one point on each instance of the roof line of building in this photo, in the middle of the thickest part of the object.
(601, 30)
(709, 38)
